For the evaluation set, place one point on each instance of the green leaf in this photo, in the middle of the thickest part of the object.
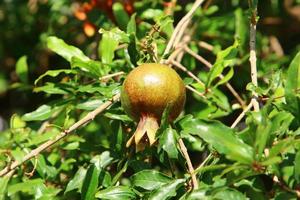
(292, 87)
(241, 27)
(166, 191)
(41, 113)
(297, 167)
(54, 88)
(77, 181)
(3, 185)
(131, 26)
(225, 58)
(262, 131)
(221, 137)
(89, 105)
(28, 186)
(168, 142)
(102, 160)
(66, 51)
(109, 43)
(121, 15)
(116, 193)
(150, 179)
(90, 183)
(92, 68)
(229, 194)
(22, 69)
(54, 73)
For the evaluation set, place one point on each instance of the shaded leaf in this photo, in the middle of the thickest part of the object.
(109, 42)
(121, 15)
(77, 181)
(22, 69)
(167, 191)
(168, 142)
(292, 86)
(41, 113)
(225, 58)
(221, 137)
(116, 193)
(150, 179)
(90, 183)
(54, 73)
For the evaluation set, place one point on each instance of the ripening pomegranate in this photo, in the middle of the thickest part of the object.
(146, 92)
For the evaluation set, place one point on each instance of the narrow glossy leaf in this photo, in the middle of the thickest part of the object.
(262, 131)
(27, 186)
(168, 142)
(53, 88)
(292, 87)
(22, 69)
(66, 51)
(102, 160)
(121, 15)
(91, 67)
(116, 193)
(90, 183)
(166, 191)
(109, 42)
(77, 181)
(43, 169)
(150, 179)
(3, 185)
(282, 146)
(230, 194)
(41, 113)
(131, 26)
(225, 58)
(90, 104)
(221, 137)
(54, 73)
(297, 167)
(241, 27)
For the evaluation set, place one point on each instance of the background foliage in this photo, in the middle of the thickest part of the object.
(53, 54)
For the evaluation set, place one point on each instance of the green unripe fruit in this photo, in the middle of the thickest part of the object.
(146, 92)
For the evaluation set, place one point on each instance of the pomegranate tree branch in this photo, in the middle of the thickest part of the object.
(209, 65)
(181, 26)
(86, 119)
(240, 117)
(189, 164)
(183, 68)
(252, 44)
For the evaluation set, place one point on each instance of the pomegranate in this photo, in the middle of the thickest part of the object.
(146, 92)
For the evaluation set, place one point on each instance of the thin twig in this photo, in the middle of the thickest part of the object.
(206, 46)
(30, 174)
(252, 59)
(89, 117)
(181, 26)
(209, 65)
(286, 188)
(240, 117)
(103, 78)
(183, 68)
(189, 164)
(195, 91)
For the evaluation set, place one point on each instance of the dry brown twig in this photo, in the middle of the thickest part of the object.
(181, 26)
(189, 164)
(252, 59)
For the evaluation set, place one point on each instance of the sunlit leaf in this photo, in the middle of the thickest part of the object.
(22, 69)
